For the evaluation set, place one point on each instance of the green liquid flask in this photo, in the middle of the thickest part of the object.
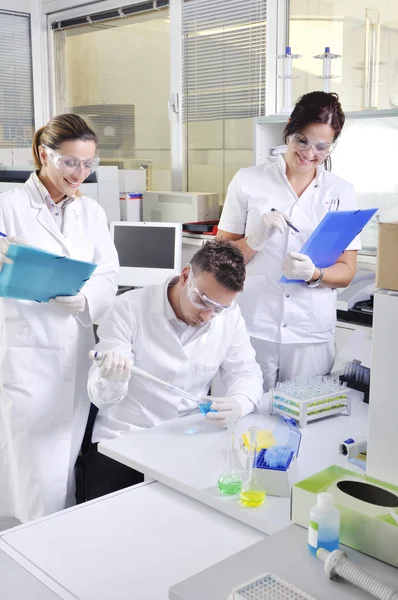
(253, 493)
(229, 482)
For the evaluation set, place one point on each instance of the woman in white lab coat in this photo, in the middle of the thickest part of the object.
(291, 324)
(44, 347)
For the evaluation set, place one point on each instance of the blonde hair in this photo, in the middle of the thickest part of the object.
(62, 128)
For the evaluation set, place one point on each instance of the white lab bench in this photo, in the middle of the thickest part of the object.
(20, 580)
(285, 555)
(188, 454)
(132, 544)
(139, 542)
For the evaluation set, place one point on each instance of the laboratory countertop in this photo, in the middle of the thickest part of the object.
(285, 555)
(135, 543)
(19, 579)
(188, 454)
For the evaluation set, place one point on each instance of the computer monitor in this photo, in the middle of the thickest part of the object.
(148, 252)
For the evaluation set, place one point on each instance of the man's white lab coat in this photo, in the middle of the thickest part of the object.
(137, 326)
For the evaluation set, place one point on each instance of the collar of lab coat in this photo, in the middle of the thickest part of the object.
(167, 308)
(281, 165)
(44, 193)
(45, 218)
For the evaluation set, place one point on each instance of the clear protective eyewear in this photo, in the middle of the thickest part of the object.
(318, 148)
(200, 300)
(71, 164)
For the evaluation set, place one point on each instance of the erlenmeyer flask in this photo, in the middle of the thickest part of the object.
(230, 482)
(253, 493)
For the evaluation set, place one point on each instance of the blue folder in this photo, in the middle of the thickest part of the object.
(333, 235)
(39, 275)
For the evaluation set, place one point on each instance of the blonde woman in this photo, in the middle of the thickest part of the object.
(44, 347)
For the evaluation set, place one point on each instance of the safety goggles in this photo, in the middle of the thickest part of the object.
(318, 148)
(200, 300)
(71, 164)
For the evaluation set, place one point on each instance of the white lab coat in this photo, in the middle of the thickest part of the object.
(44, 357)
(290, 313)
(137, 326)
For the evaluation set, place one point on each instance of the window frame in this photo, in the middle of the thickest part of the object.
(278, 13)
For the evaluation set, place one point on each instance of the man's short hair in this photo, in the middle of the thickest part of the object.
(223, 260)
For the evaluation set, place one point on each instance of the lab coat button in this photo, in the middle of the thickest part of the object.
(284, 325)
(287, 295)
(183, 360)
(70, 337)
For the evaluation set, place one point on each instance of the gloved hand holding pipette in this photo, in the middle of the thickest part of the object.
(113, 366)
(117, 368)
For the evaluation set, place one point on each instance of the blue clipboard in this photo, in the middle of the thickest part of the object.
(332, 236)
(39, 275)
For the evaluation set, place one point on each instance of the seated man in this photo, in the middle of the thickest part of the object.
(183, 332)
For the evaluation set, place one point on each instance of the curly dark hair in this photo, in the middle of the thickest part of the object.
(223, 260)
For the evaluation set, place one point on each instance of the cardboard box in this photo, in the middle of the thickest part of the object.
(368, 509)
(387, 257)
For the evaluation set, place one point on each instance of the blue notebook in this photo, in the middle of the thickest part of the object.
(332, 236)
(39, 275)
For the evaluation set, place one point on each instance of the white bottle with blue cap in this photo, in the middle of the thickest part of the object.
(324, 525)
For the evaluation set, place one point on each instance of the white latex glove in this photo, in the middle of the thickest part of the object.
(114, 367)
(270, 223)
(73, 305)
(298, 266)
(227, 408)
(5, 243)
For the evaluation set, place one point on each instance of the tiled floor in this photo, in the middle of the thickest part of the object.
(8, 522)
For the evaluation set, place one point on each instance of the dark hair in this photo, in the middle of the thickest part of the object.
(62, 128)
(223, 260)
(316, 107)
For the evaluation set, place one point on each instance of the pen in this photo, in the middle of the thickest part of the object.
(334, 201)
(288, 222)
(3, 234)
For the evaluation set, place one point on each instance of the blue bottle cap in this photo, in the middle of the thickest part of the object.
(327, 50)
(288, 50)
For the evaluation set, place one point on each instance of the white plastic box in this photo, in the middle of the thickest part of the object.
(278, 482)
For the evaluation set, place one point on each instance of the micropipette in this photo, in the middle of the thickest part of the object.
(98, 356)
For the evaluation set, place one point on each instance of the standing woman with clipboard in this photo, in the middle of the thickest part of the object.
(270, 211)
(44, 347)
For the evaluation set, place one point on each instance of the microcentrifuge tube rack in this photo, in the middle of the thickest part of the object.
(268, 587)
(316, 407)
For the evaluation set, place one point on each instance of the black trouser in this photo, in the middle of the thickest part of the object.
(96, 474)
(103, 475)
